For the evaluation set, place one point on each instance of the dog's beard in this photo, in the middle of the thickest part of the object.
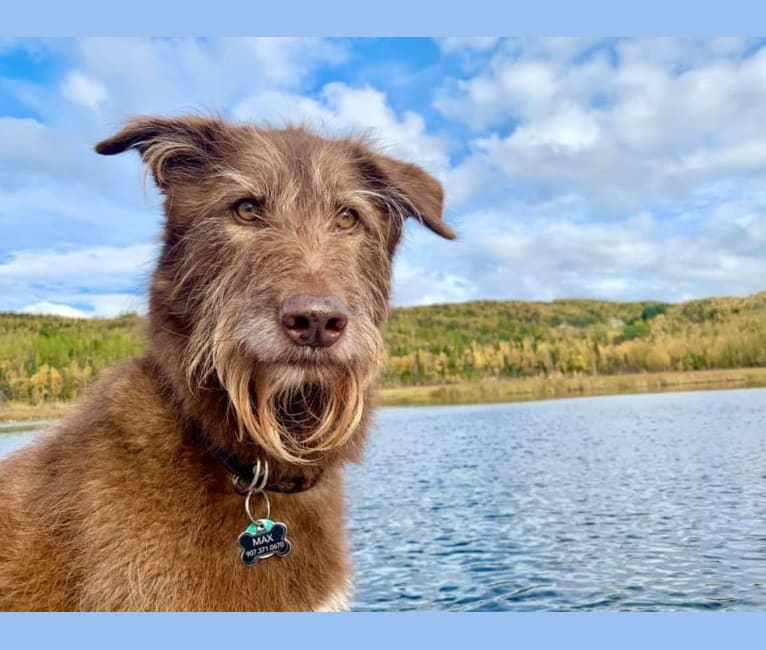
(294, 414)
(295, 409)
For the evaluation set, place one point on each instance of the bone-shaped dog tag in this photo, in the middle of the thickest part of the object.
(261, 539)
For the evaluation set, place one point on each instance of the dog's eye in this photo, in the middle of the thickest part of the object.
(346, 219)
(247, 210)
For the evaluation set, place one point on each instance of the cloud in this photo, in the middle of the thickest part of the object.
(467, 44)
(98, 281)
(180, 75)
(421, 275)
(55, 309)
(81, 89)
(554, 248)
(107, 305)
(95, 263)
(98, 305)
(287, 60)
(27, 145)
(625, 123)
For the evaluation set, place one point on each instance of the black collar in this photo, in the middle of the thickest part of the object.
(244, 472)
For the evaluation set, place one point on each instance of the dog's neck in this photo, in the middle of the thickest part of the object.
(285, 480)
(209, 425)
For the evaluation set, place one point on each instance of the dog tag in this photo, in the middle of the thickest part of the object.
(262, 539)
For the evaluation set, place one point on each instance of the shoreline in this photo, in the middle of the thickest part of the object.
(488, 391)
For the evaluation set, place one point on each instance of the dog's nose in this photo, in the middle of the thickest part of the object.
(318, 321)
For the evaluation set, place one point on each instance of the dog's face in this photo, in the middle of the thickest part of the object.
(276, 264)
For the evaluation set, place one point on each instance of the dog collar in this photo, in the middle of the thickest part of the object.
(243, 473)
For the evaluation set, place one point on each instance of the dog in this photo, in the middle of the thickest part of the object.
(207, 474)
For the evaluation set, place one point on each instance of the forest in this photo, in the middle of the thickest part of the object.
(53, 359)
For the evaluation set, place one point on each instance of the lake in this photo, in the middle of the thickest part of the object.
(636, 502)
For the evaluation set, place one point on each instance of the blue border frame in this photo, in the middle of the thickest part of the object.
(393, 17)
(389, 18)
(615, 631)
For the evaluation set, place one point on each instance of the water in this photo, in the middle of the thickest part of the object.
(628, 502)
(16, 434)
(641, 502)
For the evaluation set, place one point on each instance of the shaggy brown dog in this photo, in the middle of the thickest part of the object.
(265, 316)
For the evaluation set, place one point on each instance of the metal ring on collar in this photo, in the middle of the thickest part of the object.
(247, 506)
(259, 480)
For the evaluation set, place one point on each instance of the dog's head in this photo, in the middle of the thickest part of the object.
(274, 276)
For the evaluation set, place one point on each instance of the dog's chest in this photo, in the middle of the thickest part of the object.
(190, 559)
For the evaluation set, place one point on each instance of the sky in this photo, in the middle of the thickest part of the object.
(618, 169)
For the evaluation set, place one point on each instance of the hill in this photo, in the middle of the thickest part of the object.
(474, 340)
(50, 359)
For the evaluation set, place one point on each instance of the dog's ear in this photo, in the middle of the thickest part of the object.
(174, 149)
(420, 195)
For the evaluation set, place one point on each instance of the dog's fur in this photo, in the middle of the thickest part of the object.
(123, 506)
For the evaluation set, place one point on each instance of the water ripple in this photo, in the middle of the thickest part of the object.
(650, 502)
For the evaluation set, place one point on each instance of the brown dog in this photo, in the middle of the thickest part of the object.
(265, 316)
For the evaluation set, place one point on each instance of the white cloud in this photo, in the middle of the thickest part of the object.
(27, 145)
(416, 284)
(515, 85)
(180, 75)
(81, 89)
(107, 305)
(55, 309)
(467, 44)
(676, 54)
(287, 60)
(96, 281)
(92, 264)
(536, 250)
(653, 119)
(468, 179)
(98, 305)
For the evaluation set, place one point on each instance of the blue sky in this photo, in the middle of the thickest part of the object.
(617, 169)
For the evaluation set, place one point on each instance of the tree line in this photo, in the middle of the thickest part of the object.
(49, 358)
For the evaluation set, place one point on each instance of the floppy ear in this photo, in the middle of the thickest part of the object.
(174, 149)
(420, 194)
